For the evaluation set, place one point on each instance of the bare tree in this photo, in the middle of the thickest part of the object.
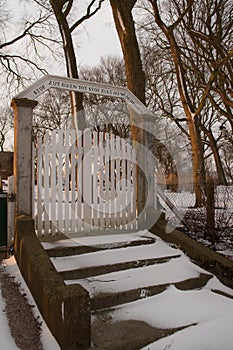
(110, 70)
(135, 77)
(62, 10)
(178, 24)
(52, 112)
(6, 125)
(107, 112)
(20, 54)
(209, 124)
(226, 152)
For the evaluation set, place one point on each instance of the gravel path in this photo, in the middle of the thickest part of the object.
(25, 329)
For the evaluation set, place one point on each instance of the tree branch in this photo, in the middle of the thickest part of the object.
(40, 20)
(13, 58)
(88, 14)
(68, 8)
(211, 80)
(181, 15)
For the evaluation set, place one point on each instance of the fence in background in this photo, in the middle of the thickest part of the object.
(183, 202)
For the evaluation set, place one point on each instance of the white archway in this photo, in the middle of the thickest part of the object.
(53, 81)
(23, 104)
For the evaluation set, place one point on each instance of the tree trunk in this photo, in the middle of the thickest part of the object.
(219, 167)
(200, 168)
(135, 77)
(198, 162)
(71, 64)
(127, 35)
(193, 125)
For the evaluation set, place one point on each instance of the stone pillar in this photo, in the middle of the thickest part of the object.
(23, 110)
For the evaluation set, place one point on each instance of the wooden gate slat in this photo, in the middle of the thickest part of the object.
(87, 171)
(53, 183)
(112, 181)
(79, 183)
(73, 159)
(60, 183)
(39, 204)
(95, 182)
(100, 182)
(85, 181)
(46, 184)
(107, 182)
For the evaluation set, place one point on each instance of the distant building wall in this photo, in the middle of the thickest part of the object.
(6, 164)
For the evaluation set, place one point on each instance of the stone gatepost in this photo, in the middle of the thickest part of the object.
(23, 110)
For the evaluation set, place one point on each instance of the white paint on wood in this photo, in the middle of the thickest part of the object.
(83, 86)
(84, 183)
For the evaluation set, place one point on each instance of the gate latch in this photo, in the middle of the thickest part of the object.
(11, 197)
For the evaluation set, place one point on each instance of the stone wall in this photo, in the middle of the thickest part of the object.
(203, 256)
(65, 308)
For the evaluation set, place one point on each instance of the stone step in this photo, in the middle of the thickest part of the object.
(125, 335)
(107, 300)
(108, 268)
(61, 251)
(118, 273)
(96, 261)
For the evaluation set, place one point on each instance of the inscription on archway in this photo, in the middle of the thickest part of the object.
(51, 81)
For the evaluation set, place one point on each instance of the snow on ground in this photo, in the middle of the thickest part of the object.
(176, 308)
(215, 334)
(7, 342)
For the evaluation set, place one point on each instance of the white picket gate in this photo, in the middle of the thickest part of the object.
(84, 182)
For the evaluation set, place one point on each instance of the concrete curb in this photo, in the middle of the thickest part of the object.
(65, 309)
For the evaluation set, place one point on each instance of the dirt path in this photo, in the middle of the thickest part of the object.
(25, 329)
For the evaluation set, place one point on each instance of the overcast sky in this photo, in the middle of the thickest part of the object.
(95, 38)
(98, 38)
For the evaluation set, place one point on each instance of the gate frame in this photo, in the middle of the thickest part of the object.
(23, 105)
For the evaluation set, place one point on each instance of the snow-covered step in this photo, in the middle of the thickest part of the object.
(110, 334)
(84, 249)
(103, 300)
(93, 243)
(173, 317)
(108, 268)
(159, 249)
(116, 282)
(92, 239)
(129, 285)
